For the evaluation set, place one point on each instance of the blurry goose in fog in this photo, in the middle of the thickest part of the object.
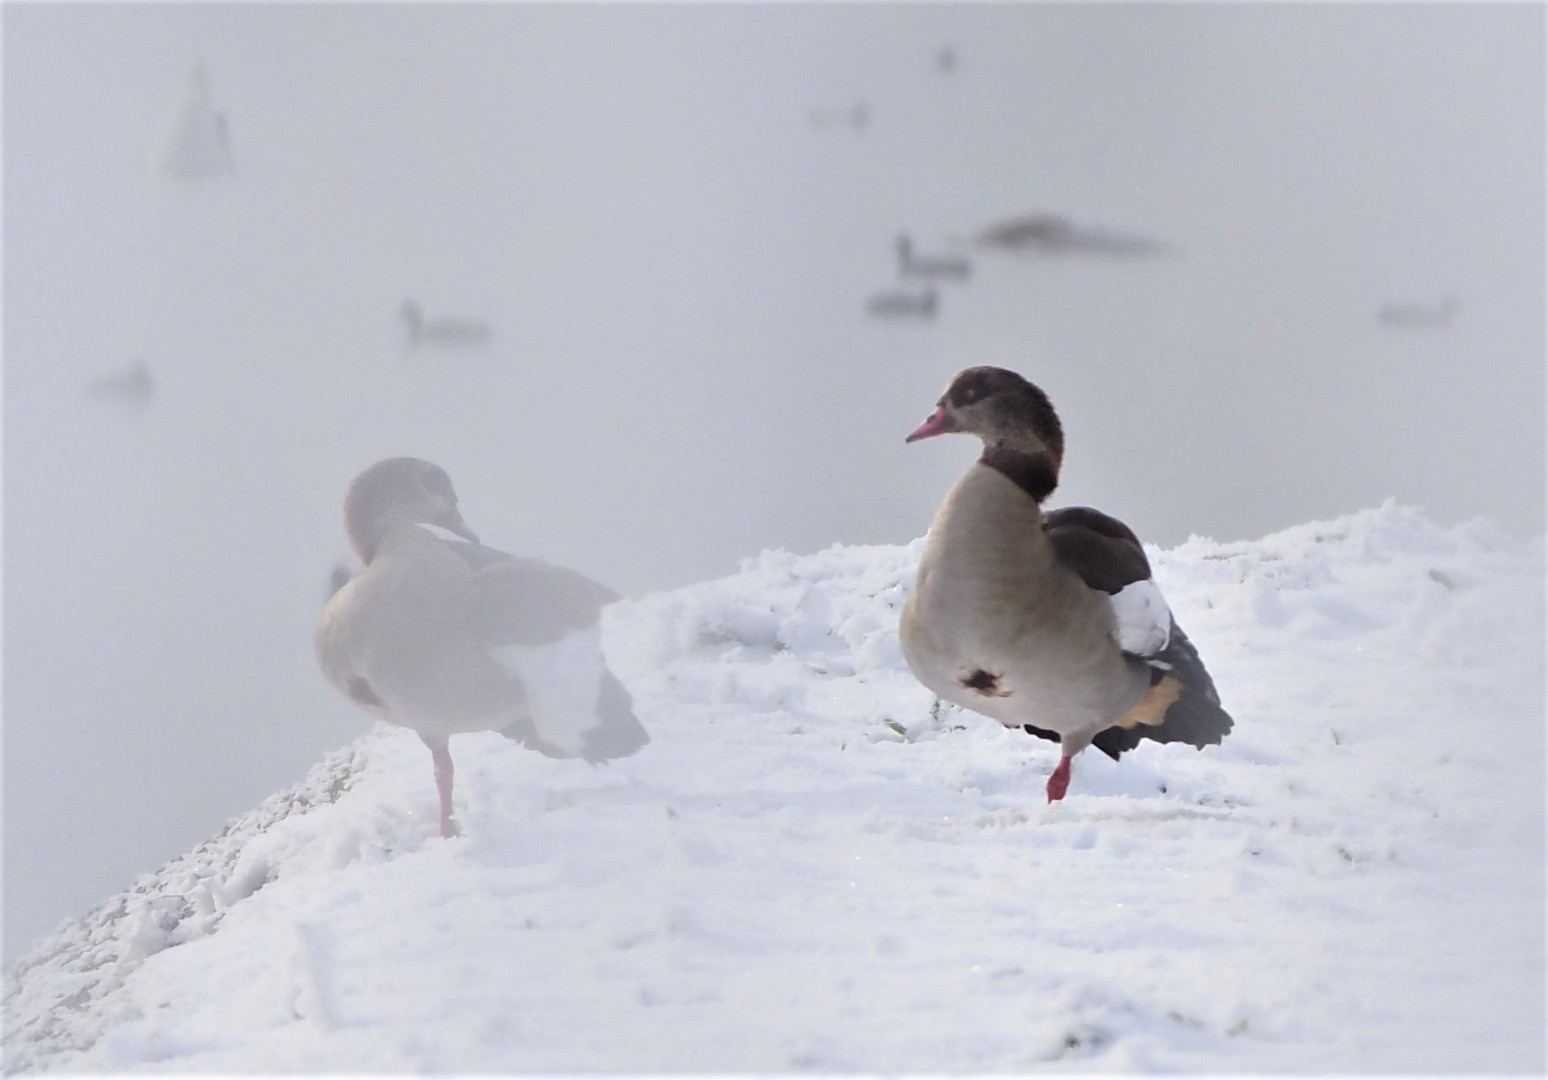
(1412, 316)
(903, 303)
(451, 331)
(132, 386)
(197, 145)
(946, 59)
(954, 267)
(1053, 234)
(448, 636)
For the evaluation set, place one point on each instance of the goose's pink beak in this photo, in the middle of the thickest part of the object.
(937, 423)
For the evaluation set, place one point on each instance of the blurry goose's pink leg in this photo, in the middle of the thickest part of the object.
(441, 756)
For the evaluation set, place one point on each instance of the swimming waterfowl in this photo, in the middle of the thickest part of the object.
(930, 267)
(451, 331)
(903, 303)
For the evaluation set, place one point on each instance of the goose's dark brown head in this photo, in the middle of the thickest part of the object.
(1016, 421)
(399, 490)
(1001, 408)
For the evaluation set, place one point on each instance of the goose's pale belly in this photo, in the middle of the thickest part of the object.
(996, 625)
(426, 676)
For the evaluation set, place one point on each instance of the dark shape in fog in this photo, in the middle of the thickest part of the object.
(930, 267)
(856, 117)
(946, 59)
(1054, 234)
(197, 144)
(133, 386)
(448, 636)
(339, 577)
(445, 331)
(903, 303)
(1418, 316)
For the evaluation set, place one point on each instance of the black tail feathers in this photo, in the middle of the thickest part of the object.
(1182, 659)
(618, 732)
(1195, 717)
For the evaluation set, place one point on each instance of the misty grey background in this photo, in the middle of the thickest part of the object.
(674, 262)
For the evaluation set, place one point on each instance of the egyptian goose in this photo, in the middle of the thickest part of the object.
(452, 331)
(930, 267)
(446, 636)
(1048, 622)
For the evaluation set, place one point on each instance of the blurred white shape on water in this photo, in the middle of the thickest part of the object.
(196, 146)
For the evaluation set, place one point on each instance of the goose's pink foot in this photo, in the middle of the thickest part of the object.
(1059, 782)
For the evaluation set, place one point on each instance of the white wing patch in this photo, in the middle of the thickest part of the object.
(1144, 621)
(563, 680)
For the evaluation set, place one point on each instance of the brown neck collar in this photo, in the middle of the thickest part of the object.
(1035, 473)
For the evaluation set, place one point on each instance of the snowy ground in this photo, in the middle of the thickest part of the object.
(812, 869)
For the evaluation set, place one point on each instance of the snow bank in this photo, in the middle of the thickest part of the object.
(814, 866)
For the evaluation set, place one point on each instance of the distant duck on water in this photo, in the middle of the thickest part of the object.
(132, 386)
(1055, 234)
(1419, 316)
(855, 117)
(903, 303)
(945, 267)
(446, 331)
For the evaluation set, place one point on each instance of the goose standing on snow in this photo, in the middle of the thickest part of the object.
(446, 636)
(1046, 622)
(452, 331)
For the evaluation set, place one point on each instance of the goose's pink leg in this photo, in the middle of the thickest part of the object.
(441, 757)
(1059, 782)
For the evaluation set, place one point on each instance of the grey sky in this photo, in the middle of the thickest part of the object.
(674, 262)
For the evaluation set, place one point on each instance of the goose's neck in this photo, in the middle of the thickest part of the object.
(365, 536)
(1035, 472)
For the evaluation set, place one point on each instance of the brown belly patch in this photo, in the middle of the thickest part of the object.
(983, 682)
(1150, 709)
(360, 691)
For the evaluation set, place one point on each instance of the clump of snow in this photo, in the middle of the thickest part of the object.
(816, 866)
